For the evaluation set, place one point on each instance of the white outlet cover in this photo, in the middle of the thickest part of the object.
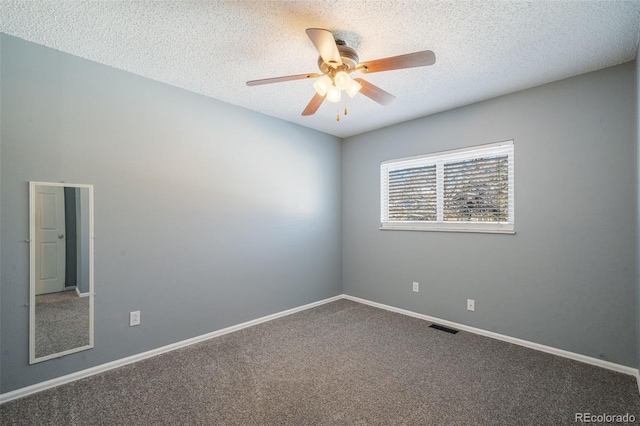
(134, 318)
(471, 305)
(416, 287)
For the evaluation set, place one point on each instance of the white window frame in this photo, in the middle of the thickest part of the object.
(439, 159)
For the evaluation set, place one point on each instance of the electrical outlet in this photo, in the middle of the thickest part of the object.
(471, 305)
(416, 286)
(134, 318)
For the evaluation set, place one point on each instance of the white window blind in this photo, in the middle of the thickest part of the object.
(463, 190)
(412, 194)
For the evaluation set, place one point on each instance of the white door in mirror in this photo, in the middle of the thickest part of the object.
(49, 236)
(134, 318)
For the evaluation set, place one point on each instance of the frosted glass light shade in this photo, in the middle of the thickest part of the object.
(342, 80)
(322, 85)
(333, 94)
(354, 87)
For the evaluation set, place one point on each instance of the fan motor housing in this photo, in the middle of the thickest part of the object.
(348, 55)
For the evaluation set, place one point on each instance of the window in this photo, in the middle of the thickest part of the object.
(466, 190)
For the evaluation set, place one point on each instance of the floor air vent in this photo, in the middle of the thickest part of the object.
(443, 328)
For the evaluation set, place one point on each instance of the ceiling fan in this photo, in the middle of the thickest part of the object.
(337, 61)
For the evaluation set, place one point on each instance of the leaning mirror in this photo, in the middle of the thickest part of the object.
(60, 269)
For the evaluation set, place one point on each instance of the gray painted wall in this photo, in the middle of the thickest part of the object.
(568, 278)
(206, 215)
(638, 200)
(1, 239)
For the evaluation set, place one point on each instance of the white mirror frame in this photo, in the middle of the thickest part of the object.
(32, 272)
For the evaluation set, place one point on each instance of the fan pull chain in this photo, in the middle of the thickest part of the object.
(345, 107)
(337, 112)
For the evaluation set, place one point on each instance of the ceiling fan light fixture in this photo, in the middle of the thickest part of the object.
(337, 61)
(353, 88)
(322, 85)
(342, 80)
(333, 94)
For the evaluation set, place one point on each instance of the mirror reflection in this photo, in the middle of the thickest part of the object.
(61, 270)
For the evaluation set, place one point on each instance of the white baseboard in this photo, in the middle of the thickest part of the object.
(548, 349)
(19, 393)
(81, 294)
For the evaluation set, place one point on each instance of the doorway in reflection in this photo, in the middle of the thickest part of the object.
(62, 239)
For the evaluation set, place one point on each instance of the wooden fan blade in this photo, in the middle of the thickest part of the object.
(375, 93)
(280, 79)
(326, 45)
(410, 60)
(313, 106)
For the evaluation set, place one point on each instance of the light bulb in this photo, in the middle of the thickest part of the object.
(333, 94)
(342, 80)
(322, 85)
(354, 87)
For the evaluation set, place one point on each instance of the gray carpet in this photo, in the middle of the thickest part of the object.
(342, 363)
(62, 322)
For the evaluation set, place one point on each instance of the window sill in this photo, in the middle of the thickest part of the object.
(447, 229)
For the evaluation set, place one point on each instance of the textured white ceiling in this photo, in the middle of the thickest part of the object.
(483, 48)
